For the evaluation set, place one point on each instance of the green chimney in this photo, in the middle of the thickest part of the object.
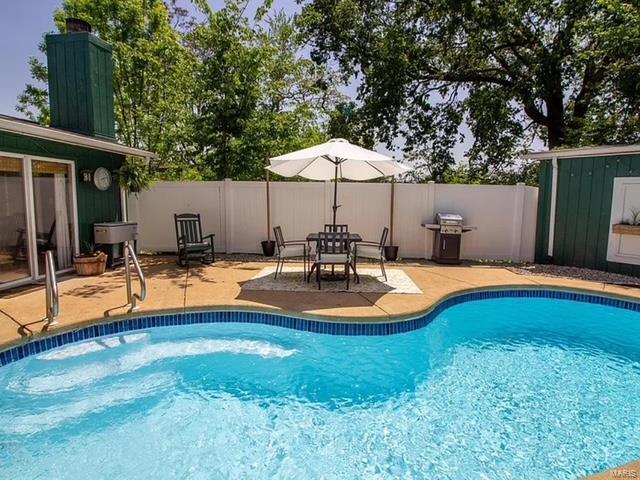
(81, 83)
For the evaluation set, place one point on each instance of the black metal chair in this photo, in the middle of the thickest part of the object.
(339, 227)
(44, 242)
(290, 249)
(332, 249)
(191, 244)
(373, 250)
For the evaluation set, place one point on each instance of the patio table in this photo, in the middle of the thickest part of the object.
(353, 238)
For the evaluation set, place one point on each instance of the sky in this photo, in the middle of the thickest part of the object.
(22, 25)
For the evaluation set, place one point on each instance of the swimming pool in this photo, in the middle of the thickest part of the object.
(505, 387)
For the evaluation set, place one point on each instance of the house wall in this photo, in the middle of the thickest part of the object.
(236, 213)
(93, 205)
(583, 210)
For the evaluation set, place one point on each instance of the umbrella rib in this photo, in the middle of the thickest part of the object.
(326, 157)
(299, 174)
(376, 168)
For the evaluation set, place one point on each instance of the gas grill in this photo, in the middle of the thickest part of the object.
(448, 235)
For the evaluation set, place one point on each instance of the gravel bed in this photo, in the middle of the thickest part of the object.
(576, 273)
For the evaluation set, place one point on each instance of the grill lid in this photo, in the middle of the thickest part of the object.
(449, 219)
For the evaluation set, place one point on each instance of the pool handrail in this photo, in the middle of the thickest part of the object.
(132, 297)
(51, 290)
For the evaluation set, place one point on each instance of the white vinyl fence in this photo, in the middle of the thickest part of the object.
(505, 216)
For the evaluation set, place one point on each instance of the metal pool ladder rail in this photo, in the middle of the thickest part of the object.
(133, 298)
(51, 290)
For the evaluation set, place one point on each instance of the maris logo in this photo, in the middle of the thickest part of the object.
(624, 473)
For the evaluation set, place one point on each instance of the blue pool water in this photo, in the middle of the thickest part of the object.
(496, 389)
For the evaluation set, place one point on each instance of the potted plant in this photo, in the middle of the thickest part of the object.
(391, 250)
(268, 245)
(133, 175)
(93, 262)
(630, 226)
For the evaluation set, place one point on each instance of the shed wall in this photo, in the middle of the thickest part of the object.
(583, 210)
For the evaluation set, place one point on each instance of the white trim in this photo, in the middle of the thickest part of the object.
(623, 248)
(31, 218)
(57, 135)
(552, 208)
(584, 152)
(74, 196)
(17, 283)
(40, 278)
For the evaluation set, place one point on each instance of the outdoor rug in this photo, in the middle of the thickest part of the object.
(371, 281)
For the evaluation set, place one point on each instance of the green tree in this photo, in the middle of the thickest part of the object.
(33, 101)
(153, 85)
(257, 96)
(512, 70)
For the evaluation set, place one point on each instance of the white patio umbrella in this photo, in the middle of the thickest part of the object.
(335, 159)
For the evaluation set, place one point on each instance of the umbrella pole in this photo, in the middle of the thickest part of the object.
(268, 210)
(335, 197)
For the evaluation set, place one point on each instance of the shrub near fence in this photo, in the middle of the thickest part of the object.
(505, 215)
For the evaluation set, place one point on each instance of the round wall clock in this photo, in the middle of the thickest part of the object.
(102, 178)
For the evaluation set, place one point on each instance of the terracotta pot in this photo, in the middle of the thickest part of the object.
(90, 264)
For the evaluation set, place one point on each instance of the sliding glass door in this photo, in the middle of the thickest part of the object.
(14, 240)
(37, 213)
(53, 213)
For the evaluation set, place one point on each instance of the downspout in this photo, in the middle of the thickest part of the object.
(552, 208)
(123, 205)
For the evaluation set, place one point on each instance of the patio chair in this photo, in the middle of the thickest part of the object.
(289, 250)
(333, 249)
(44, 242)
(191, 244)
(373, 250)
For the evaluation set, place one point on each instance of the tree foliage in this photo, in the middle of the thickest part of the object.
(512, 70)
(212, 97)
(258, 97)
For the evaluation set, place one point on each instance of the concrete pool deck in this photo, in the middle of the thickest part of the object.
(87, 300)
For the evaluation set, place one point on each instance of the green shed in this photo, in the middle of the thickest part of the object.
(56, 182)
(589, 199)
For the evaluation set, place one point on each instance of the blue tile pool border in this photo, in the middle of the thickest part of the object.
(328, 327)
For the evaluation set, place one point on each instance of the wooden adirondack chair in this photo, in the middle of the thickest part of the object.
(191, 244)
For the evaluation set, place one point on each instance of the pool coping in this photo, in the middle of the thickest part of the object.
(332, 325)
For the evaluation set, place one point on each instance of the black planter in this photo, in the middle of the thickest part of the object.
(391, 253)
(268, 247)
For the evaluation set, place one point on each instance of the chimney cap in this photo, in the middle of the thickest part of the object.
(77, 25)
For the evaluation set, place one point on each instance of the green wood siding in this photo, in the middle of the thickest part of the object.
(93, 205)
(544, 206)
(583, 210)
(81, 84)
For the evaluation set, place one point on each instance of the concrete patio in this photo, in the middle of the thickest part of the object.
(85, 300)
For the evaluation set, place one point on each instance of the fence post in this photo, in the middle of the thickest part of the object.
(430, 212)
(228, 215)
(517, 221)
